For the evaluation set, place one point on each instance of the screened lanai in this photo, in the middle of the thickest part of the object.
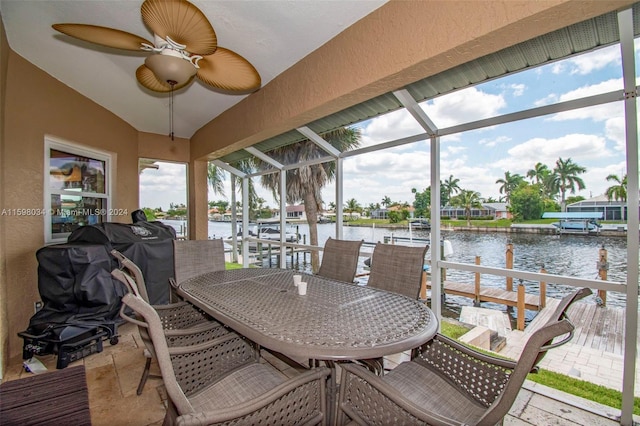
(614, 30)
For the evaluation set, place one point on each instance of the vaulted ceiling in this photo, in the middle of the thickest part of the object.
(272, 35)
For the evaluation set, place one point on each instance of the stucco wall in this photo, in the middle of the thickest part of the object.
(161, 147)
(36, 105)
(4, 339)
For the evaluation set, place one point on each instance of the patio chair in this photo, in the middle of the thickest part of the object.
(340, 259)
(447, 383)
(397, 268)
(195, 257)
(183, 322)
(221, 381)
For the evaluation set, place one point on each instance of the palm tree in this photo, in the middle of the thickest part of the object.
(565, 178)
(619, 191)
(509, 183)
(538, 173)
(386, 201)
(306, 182)
(451, 186)
(468, 200)
(215, 178)
(352, 205)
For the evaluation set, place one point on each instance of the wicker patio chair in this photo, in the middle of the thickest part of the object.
(195, 257)
(447, 383)
(397, 268)
(186, 322)
(179, 315)
(221, 382)
(340, 259)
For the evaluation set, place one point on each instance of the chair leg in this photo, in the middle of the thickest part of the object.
(145, 375)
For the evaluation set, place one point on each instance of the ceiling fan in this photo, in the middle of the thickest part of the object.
(185, 45)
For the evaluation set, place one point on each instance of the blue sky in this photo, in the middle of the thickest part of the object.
(591, 137)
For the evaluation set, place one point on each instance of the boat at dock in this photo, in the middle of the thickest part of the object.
(419, 223)
(575, 222)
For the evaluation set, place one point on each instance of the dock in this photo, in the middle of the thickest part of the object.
(518, 299)
(596, 327)
(595, 353)
(491, 294)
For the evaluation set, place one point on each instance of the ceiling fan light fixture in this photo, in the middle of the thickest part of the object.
(170, 68)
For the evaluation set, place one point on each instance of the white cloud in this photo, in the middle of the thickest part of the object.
(615, 131)
(595, 113)
(593, 89)
(547, 151)
(463, 106)
(589, 62)
(597, 178)
(551, 98)
(389, 127)
(453, 149)
(167, 184)
(516, 89)
(494, 142)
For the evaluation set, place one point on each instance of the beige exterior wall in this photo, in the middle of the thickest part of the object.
(4, 321)
(161, 147)
(36, 105)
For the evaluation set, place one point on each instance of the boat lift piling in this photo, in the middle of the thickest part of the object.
(603, 267)
(509, 264)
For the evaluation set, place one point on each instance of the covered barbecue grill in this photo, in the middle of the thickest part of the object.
(81, 300)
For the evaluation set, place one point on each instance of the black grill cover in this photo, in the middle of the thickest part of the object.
(76, 286)
(148, 244)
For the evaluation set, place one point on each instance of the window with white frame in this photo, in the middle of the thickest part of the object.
(76, 188)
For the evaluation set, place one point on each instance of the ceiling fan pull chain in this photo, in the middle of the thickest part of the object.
(172, 84)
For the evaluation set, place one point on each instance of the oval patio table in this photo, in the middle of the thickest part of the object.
(333, 321)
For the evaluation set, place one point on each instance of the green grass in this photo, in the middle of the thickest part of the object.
(583, 389)
(561, 382)
(229, 265)
(452, 330)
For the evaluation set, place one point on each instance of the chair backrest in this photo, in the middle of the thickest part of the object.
(535, 349)
(397, 268)
(194, 257)
(340, 259)
(135, 273)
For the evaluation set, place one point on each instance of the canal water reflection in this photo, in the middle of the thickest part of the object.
(569, 255)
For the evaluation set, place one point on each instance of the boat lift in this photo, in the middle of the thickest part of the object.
(575, 222)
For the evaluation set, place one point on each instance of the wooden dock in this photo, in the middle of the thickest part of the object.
(518, 299)
(491, 294)
(596, 327)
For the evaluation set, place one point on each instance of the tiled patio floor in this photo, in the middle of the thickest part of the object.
(113, 376)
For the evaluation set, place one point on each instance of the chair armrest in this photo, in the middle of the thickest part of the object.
(429, 348)
(305, 392)
(181, 315)
(196, 335)
(368, 399)
(199, 365)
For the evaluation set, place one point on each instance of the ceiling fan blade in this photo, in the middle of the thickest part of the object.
(182, 22)
(102, 35)
(148, 79)
(229, 71)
